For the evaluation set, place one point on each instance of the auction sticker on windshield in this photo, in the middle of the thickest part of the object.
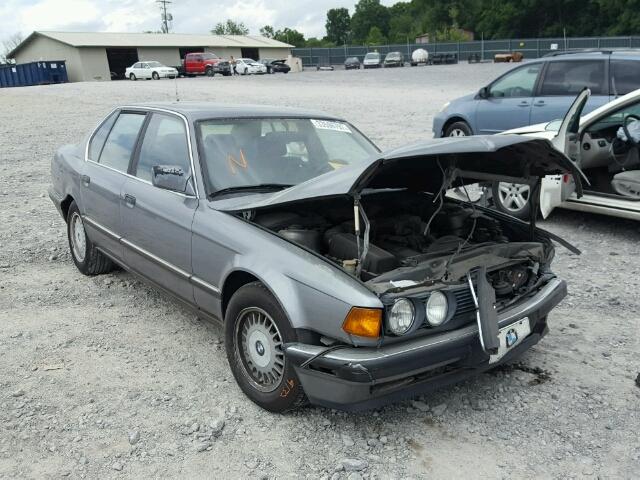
(329, 125)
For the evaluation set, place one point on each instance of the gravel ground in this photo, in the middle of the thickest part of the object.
(104, 378)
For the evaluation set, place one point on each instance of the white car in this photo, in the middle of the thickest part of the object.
(248, 66)
(150, 70)
(604, 144)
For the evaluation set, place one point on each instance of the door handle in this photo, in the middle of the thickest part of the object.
(129, 200)
(85, 179)
(523, 103)
(539, 103)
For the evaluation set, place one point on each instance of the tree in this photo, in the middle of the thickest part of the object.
(375, 37)
(338, 25)
(290, 36)
(319, 42)
(8, 44)
(267, 31)
(368, 14)
(230, 27)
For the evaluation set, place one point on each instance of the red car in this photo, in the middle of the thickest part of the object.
(205, 63)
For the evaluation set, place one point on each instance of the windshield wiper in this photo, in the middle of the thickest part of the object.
(251, 188)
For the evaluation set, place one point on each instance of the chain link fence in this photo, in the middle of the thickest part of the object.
(485, 50)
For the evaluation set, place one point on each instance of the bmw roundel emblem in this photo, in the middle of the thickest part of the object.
(511, 337)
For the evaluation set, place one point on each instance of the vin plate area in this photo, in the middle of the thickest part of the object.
(510, 337)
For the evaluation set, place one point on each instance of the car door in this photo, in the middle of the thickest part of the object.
(157, 222)
(136, 69)
(625, 76)
(507, 103)
(562, 80)
(145, 71)
(108, 157)
(555, 189)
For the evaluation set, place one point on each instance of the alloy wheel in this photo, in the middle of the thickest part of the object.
(457, 132)
(514, 196)
(78, 237)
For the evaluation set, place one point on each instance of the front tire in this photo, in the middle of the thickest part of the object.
(512, 198)
(132, 77)
(83, 252)
(458, 129)
(155, 76)
(256, 328)
(209, 72)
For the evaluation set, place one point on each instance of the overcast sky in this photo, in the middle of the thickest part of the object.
(190, 16)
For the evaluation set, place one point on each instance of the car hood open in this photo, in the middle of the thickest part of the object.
(420, 167)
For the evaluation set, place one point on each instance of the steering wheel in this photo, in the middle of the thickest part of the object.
(625, 124)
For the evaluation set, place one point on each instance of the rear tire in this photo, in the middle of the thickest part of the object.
(83, 252)
(512, 198)
(256, 328)
(458, 129)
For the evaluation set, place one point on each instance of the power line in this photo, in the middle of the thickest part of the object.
(166, 17)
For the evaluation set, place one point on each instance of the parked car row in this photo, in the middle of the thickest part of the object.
(419, 56)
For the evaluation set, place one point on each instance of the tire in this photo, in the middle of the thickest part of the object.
(86, 257)
(458, 129)
(246, 71)
(512, 199)
(132, 77)
(155, 76)
(256, 316)
(209, 72)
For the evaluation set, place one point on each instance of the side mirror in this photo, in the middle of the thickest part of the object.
(484, 92)
(170, 177)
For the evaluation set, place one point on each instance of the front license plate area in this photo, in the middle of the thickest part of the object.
(511, 336)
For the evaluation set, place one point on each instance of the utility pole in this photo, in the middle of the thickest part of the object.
(166, 17)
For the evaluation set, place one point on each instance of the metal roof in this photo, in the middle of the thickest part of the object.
(177, 40)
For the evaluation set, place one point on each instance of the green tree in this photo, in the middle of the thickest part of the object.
(338, 25)
(290, 36)
(267, 31)
(369, 14)
(375, 37)
(230, 27)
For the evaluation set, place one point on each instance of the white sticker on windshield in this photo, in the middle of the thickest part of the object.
(329, 125)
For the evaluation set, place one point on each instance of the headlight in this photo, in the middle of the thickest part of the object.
(444, 107)
(401, 316)
(437, 308)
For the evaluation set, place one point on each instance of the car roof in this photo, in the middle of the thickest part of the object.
(205, 110)
(587, 54)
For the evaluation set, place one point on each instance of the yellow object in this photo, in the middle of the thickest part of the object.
(363, 322)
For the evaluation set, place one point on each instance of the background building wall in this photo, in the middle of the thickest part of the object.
(167, 56)
(95, 66)
(277, 53)
(42, 48)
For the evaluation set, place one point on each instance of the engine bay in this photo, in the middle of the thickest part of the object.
(405, 230)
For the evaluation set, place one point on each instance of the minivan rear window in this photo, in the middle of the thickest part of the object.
(625, 77)
(572, 76)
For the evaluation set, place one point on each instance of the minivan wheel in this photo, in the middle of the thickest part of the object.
(512, 198)
(256, 329)
(84, 254)
(458, 129)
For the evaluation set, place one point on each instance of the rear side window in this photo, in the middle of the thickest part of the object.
(119, 146)
(625, 77)
(570, 77)
(97, 141)
(164, 143)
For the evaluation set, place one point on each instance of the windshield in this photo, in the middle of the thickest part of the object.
(209, 56)
(155, 64)
(372, 56)
(393, 55)
(239, 153)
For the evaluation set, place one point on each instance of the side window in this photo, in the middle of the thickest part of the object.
(136, 65)
(97, 141)
(625, 76)
(570, 77)
(518, 83)
(121, 141)
(164, 143)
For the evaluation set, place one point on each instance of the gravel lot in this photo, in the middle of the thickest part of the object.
(104, 378)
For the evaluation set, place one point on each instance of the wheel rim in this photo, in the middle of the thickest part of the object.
(457, 132)
(78, 237)
(514, 196)
(258, 345)
(156, 76)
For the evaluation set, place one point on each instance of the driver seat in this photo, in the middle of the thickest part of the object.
(627, 183)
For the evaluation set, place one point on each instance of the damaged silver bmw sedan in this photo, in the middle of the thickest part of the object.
(343, 276)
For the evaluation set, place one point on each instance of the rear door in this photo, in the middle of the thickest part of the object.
(157, 222)
(562, 80)
(625, 76)
(509, 102)
(110, 152)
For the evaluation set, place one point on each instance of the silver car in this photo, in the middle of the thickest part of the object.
(342, 276)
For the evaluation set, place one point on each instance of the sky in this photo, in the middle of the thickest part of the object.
(190, 16)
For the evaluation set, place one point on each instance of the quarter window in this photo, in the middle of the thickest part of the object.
(119, 146)
(570, 77)
(625, 76)
(165, 143)
(97, 142)
(518, 83)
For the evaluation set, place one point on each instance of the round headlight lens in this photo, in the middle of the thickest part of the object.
(437, 308)
(401, 316)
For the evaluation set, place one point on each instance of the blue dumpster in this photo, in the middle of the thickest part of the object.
(43, 72)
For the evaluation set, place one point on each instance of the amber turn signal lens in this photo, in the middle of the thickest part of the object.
(363, 322)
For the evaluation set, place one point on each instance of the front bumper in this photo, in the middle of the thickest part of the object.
(438, 125)
(168, 74)
(361, 378)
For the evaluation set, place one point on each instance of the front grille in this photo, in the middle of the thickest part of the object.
(464, 301)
